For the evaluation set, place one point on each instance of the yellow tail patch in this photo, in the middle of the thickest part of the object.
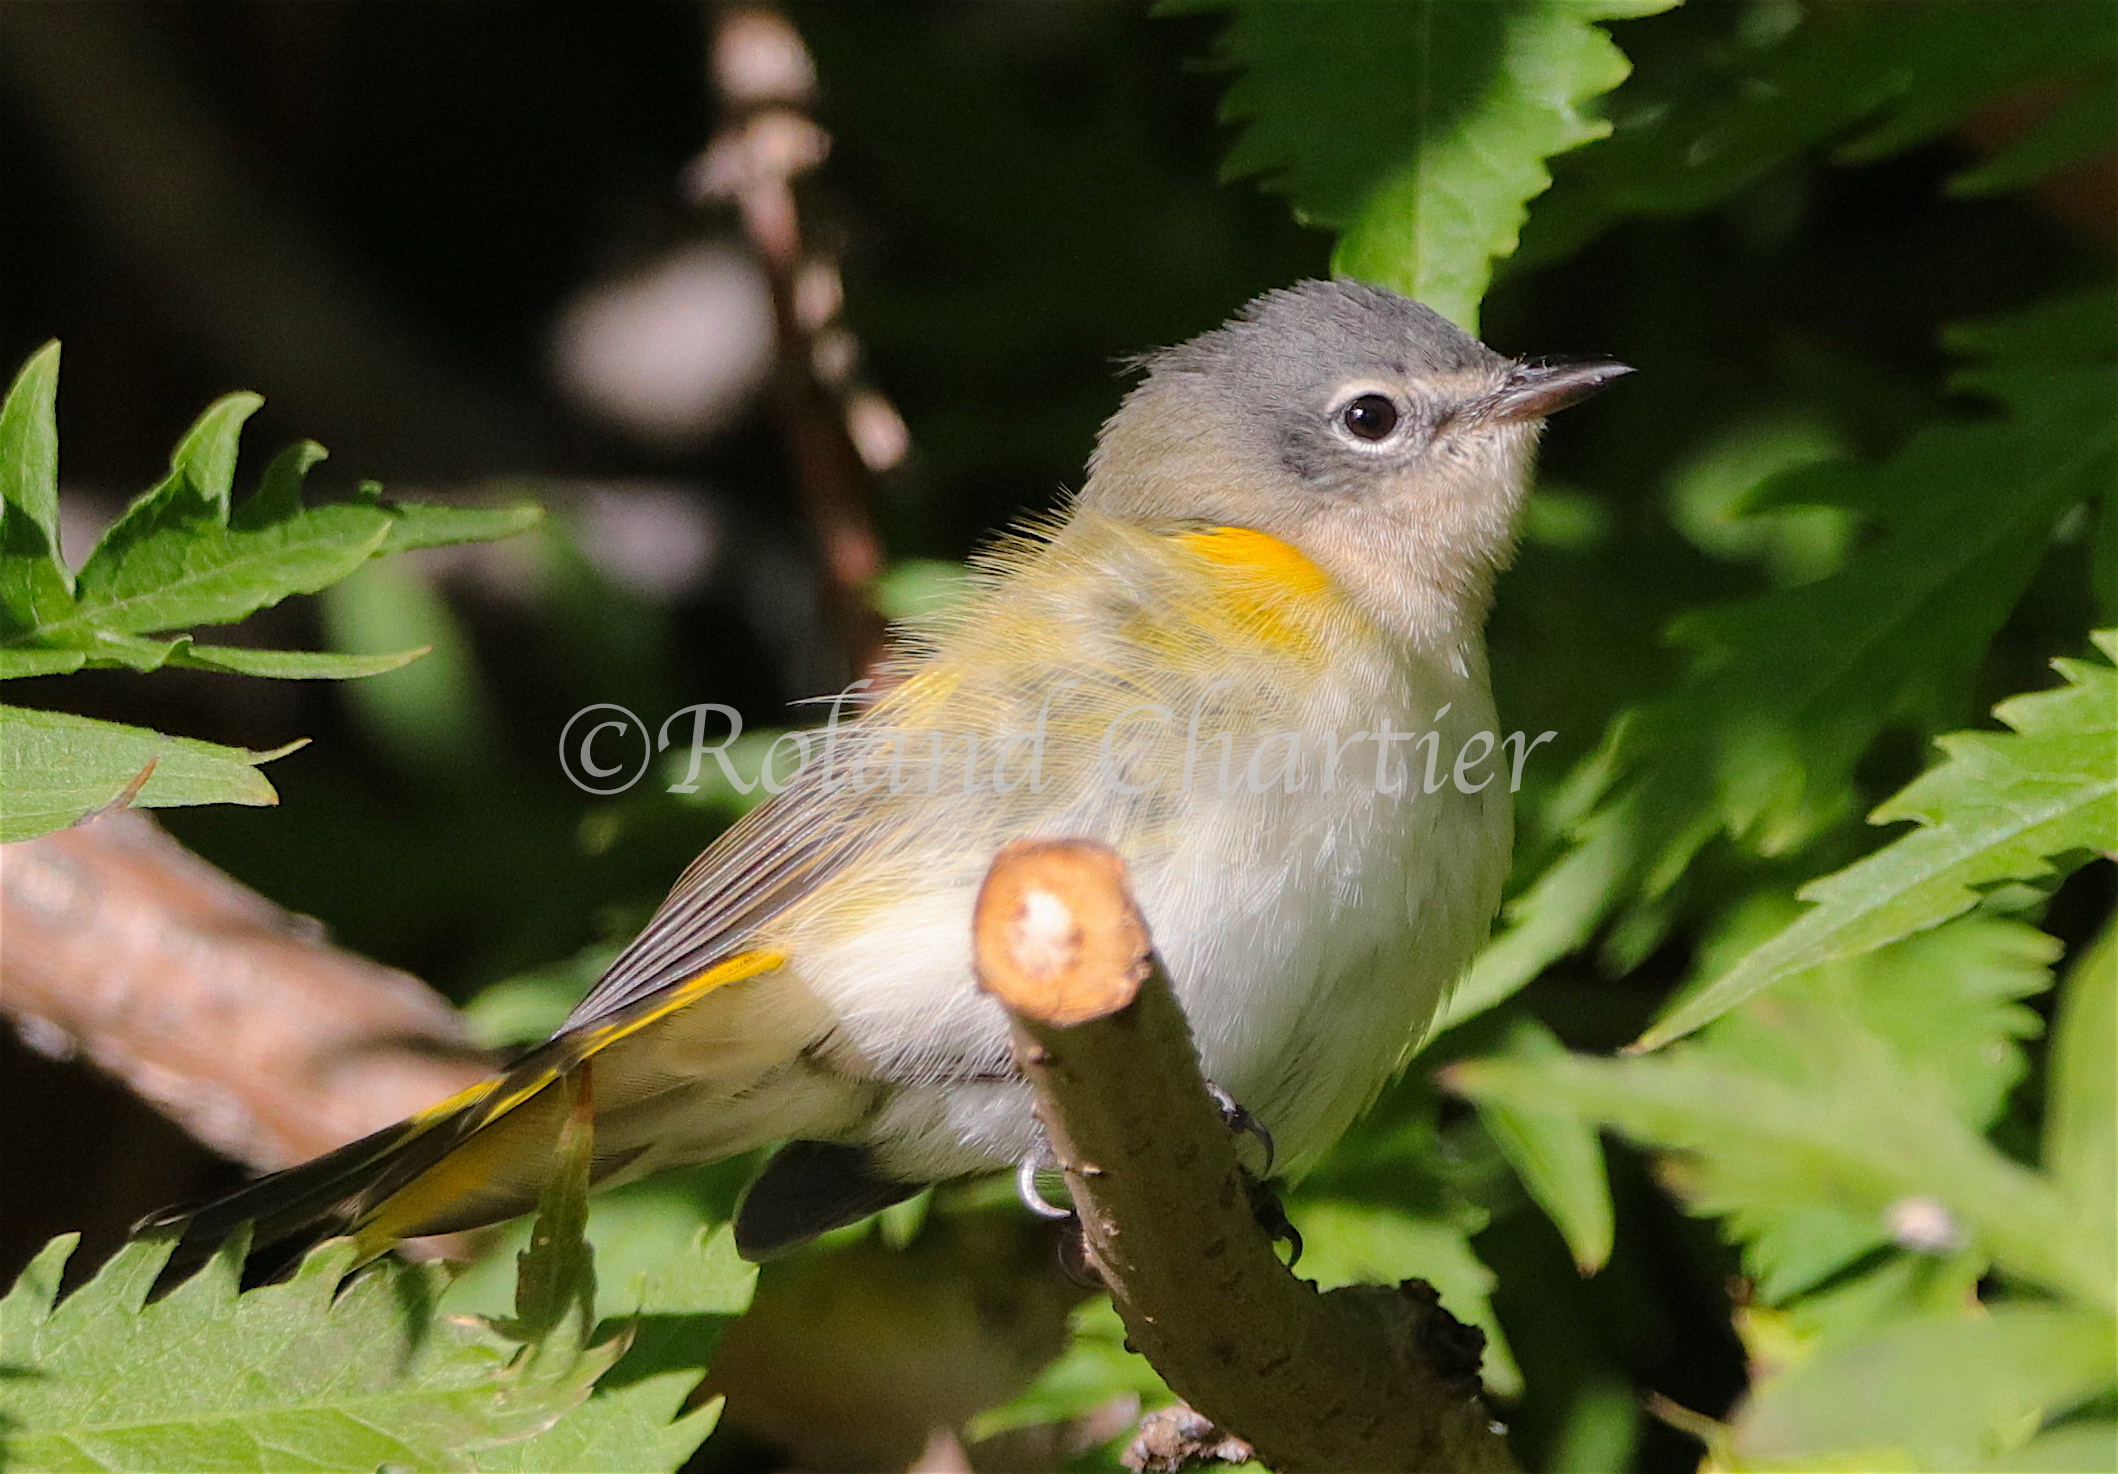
(486, 1150)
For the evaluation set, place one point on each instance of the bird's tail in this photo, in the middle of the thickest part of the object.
(471, 1160)
(476, 1158)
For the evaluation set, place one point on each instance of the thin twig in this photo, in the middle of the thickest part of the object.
(839, 432)
(1365, 1378)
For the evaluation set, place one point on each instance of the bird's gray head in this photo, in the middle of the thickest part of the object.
(1367, 430)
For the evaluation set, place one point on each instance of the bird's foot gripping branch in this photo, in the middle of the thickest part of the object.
(1365, 1377)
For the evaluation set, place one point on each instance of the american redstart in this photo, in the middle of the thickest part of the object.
(1248, 656)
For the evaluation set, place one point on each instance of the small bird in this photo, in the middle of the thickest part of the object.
(1248, 656)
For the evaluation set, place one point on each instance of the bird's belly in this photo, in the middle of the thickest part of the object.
(1311, 936)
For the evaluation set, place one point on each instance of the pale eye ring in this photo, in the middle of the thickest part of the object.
(1370, 417)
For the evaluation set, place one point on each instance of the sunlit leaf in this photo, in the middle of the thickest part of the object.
(287, 1376)
(1356, 1243)
(1417, 131)
(1843, 1110)
(2081, 1106)
(2004, 806)
(1942, 1393)
(1760, 741)
(1557, 1156)
(55, 767)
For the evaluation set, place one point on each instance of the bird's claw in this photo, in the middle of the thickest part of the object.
(1026, 1187)
(1239, 1120)
(1272, 1217)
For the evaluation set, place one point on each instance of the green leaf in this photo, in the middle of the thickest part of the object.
(59, 767)
(1096, 1367)
(29, 460)
(35, 583)
(289, 665)
(20, 662)
(279, 493)
(2026, 806)
(182, 574)
(1843, 1109)
(1769, 1141)
(2084, 125)
(201, 473)
(555, 1276)
(290, 1376)
(1941, 1393)
(177, 557)
(2070, 1449)
(418, 525)
(630, 1422)
(2074, 328)
(1417, 131)
(1359, 1243)
(1556, 1154)
(1717, 101)
(2081, 1106)
(1759, 742)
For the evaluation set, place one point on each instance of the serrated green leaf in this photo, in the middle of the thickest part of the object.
(289, 665)
(1721, 105)
(1942, 1393)
(1760, 741)
(35, 583)
(2023, 806)
(1417, 131)
(2081, 1105)
(279, 493)
(1557, 1155)
(187, 574)
(624, 1430)
(1932, 1023)
(289, 1376)
(55, 767)
(1359, 1243)
(418, 525)
(201, 471)
(1839, 1117)
(631, 1421)
(1856, 1306)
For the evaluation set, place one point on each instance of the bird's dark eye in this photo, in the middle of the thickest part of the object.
(1370, 417)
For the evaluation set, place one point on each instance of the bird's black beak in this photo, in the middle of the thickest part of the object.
(1535, 390)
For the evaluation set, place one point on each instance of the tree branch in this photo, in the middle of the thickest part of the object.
(235, 1019)
(1365, 1378)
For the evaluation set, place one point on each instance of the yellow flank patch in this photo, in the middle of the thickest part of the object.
(1269, 588)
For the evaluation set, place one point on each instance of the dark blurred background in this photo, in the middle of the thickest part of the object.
(455, 244)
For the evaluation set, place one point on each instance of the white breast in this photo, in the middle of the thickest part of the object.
(1311, 934)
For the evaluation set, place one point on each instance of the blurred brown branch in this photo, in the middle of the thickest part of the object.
(232, 1017)
(839, 433)
(1364, 1378)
